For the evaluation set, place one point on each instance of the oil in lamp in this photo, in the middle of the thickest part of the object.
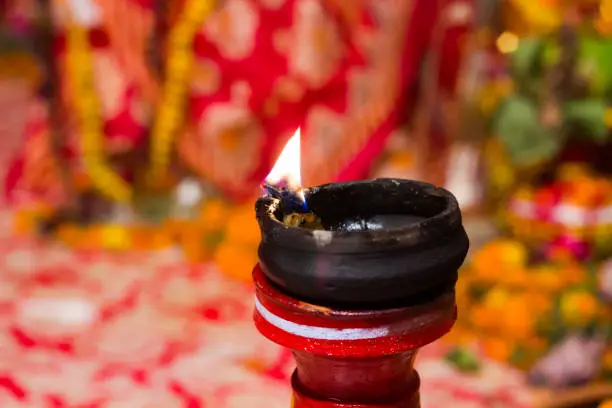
(357, 295)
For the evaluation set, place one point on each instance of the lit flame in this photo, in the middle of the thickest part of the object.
(286, 172)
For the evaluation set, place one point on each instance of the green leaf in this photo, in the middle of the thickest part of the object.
(525, 58)
(551, 54)
(463, 359)
(153, 208)
(588, 116)
(556, 329)
(526, 140)
(594, 63)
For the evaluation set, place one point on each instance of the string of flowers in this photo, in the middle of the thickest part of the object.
(168, 119)
(170, 114)
(79, 61)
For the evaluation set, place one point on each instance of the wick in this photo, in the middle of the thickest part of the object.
(271, 191)
(291, 200)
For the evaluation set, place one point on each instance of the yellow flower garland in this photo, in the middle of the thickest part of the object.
(180, 61)
(80, 67)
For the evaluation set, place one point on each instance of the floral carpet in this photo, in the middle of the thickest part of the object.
(148, 330)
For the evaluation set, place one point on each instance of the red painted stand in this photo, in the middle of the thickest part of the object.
(351, 358)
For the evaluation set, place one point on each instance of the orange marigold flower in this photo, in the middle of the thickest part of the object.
(485, 317)
(236, 260)
(547, 278)
(460, 335)
(607, 359)
(90, 238)
(497, 348)
(521, 319)
(214, 214)
(502, 256)
(606, 404)
(585, 192)
(25, 221)
(579, 307)
(70, 234)
(115, 237)
(195, 244)
(242, 227)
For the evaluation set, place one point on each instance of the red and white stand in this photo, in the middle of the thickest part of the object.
(351, 358)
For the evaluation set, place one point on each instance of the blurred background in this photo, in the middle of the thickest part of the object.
(136, 135)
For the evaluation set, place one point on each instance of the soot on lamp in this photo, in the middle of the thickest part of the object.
(381, 243)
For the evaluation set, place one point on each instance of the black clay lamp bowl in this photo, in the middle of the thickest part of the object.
(386, 242)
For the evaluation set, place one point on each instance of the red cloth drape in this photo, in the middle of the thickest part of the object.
(342, 72)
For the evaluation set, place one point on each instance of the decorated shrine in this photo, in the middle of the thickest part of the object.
(135, 140)
(538, 294)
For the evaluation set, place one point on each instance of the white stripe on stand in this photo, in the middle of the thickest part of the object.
(320, 333)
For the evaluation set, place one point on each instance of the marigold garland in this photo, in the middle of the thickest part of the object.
(170, 114)
(79, 63)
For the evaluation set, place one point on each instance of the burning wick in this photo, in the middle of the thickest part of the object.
(290, 199)
(284, 183)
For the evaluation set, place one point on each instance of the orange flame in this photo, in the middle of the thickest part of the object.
(287, 169)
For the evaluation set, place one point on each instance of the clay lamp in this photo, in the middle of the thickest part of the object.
(357, 296)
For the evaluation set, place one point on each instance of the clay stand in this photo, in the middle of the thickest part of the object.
(351, 358)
